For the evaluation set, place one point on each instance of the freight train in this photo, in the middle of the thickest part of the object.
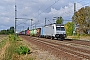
(53, 31)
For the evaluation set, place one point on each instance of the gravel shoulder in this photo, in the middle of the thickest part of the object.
(39, 54)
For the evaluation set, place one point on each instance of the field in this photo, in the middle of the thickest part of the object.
(22, 49)
(9, 46)
(9, 49)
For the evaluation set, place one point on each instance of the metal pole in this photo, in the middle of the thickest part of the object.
(45, 21)
(74, 13)
(15, 20)
(74, 19)
(35, 25)
(31, 23)
(15, 17)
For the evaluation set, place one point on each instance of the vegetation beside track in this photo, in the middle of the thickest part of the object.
(15, 49)
(2, 43)
(80, 37)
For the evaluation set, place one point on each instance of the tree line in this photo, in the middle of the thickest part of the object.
(8, 31)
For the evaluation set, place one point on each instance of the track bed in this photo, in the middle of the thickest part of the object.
(65, 50)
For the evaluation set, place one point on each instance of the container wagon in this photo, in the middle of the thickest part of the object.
(35, 32)
(38, 32)
(22, 33)
(31, 32)
(27, 32)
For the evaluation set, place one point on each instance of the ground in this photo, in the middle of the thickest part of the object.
(36, 53)
(39, 54)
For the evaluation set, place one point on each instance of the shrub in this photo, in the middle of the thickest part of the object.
(23, 50)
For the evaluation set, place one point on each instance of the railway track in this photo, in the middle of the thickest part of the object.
(87, 43)
(63, 51)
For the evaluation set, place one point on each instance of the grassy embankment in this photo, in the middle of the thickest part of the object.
(2, 42)
(15, 49)
(80, 37)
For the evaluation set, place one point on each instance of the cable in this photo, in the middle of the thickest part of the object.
(43, 5)
(80, 1)
(48, 7)
(77, 2)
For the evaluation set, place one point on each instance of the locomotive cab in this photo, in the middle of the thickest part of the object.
(60, 31)
(54, 31)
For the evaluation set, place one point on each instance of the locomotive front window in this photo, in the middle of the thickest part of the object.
(60, 29)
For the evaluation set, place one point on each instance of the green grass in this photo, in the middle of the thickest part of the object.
(31, 59)
(23, 50)
(16, 48)
(79, 37)
(2, 43)
(10, 50)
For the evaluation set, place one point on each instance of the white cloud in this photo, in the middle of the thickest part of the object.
(10, 1)
(35, 9)
(78, 6)
(63, 11)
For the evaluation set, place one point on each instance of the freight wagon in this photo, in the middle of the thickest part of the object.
(35, 32)
(53, 31)
(22, 33)
(27, 32)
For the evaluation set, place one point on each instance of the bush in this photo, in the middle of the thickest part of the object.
(23, 50)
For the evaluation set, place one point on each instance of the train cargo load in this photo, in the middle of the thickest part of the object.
(22, 33)
(31, 32)
(34, 32)
(27, 32)
(53, 31)
(38, 32)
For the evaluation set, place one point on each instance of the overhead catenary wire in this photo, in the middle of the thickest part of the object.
(83, 4)
(45, 9)
(71, 11)
(51, 6)
(43, 5)
(48, 7)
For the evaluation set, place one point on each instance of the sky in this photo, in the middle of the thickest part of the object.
(37, 10)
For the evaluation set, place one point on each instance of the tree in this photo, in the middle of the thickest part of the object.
(59, 20)
(69, 26)
(82, 18)
(11, 30)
